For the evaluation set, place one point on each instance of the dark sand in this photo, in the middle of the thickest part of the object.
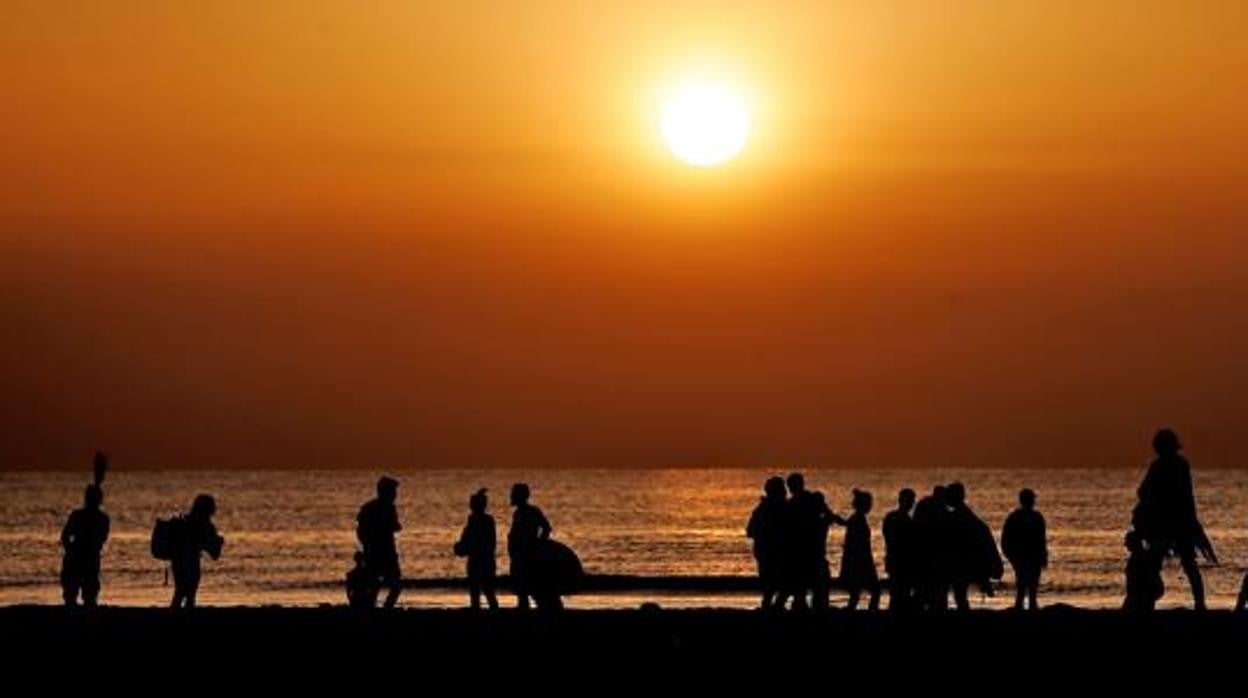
(334, 643)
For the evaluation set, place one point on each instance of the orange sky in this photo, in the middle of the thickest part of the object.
(404, 234)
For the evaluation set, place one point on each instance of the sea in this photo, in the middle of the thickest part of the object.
(290, 535)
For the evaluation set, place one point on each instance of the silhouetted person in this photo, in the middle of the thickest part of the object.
(857, 563)
(362, 587)
(807, 553)
(478, 542)
(1025, 544)
(83, 539)
(1166, 513)
(528, 526)
(900, 551)
(376, 525)
(196, 534)
(1144, 584)
(974, 558)
(932, 528)
(767, 528)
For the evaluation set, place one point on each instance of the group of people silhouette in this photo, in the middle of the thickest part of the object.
(542, 570)
(935, 547)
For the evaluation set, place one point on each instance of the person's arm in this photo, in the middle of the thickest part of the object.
(67, 532)
(751, 528)
(214, 542)
(543, 526)
(1044, 542)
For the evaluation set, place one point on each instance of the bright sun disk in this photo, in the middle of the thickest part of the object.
(705, 124)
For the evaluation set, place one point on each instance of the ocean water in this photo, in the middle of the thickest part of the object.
(290, 535)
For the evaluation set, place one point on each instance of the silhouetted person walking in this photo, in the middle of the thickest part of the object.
(900, 551)
(808, 521)
(1144, 584)
(1025, 544)
(857, 562)
(528, 526)
(932, 526)
(194, 534)
(1166, 513)
(974, 556)
(376, 525)
(478, 542)
(767, 528)
(83, 539)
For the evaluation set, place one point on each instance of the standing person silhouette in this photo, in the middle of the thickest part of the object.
(857, 562)
(974, 556)
(808, 521)
(1025, 544)
(528, 527)
(900, 551)
(1165, 516)
(478, 542)
(83, 539)
(196, 534)
(376, 525)
(768, 530)
(934, 549)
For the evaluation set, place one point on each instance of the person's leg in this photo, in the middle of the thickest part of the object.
(1192, 570)
(854, 594)
(392, 596)
(474, 594)
(821, 591)
(91, 584)
(69, 582)
(874, 588)
(1243, 594)
(960, 596)
(487, 586)
(1033, 590)
(1020, 588)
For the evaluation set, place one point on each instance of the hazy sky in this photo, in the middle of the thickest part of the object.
(405, 234)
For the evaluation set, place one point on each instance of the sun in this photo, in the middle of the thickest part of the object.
(705, 124)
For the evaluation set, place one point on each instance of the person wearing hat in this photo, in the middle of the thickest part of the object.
(478, 542)
(377, 523)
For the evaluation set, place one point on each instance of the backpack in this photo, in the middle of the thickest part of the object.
(166, 537)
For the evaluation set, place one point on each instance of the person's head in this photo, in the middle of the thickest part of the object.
(519, 494)
(1166, 443)
(797, 483)
(1027, 498)
(478, 501)
(862, 501)
(905, 499)
(387, 489)
(203, 507)
(955, 494)
(92, 496)
(774, 488)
